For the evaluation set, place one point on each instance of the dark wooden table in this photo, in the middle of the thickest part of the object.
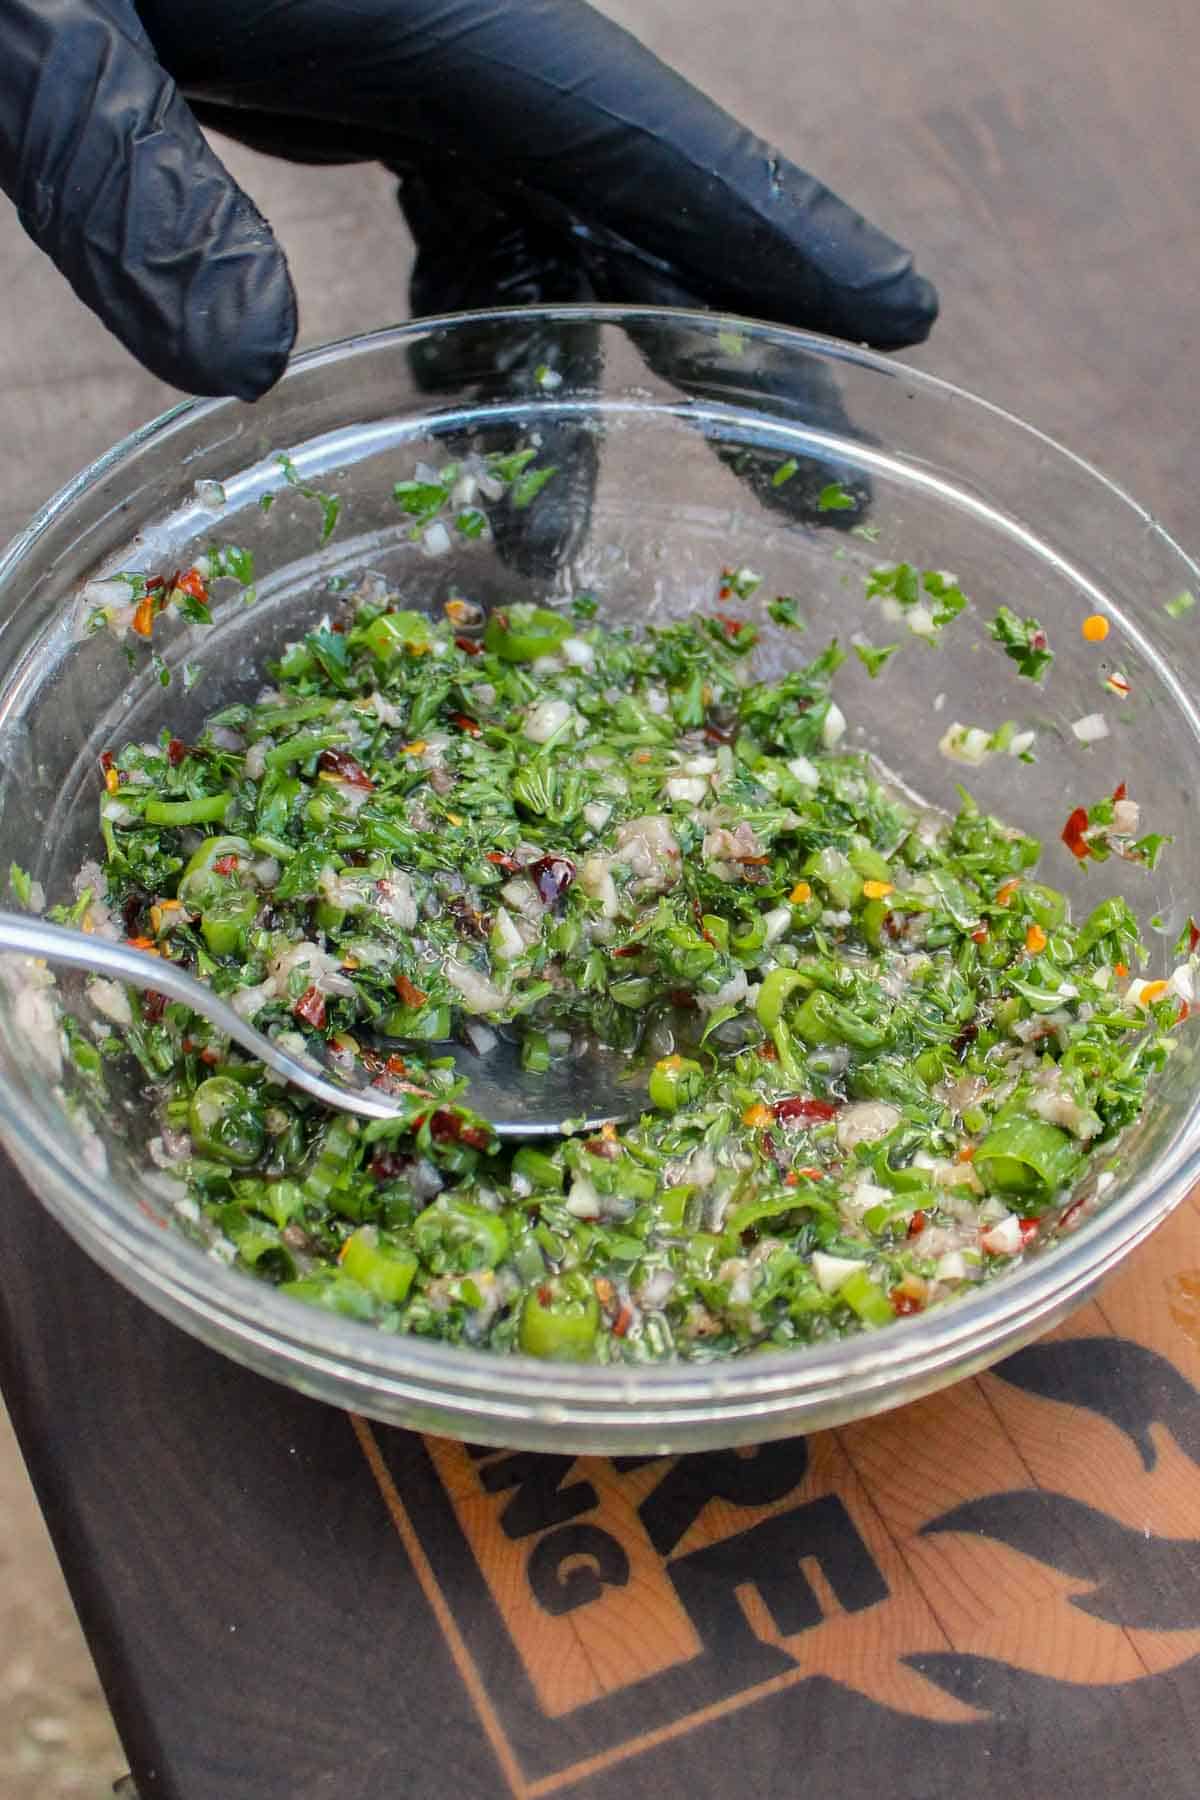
(997, 1591)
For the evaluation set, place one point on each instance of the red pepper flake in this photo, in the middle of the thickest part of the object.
(344, 767)
(396, 1065)
(411, 996)
(623, 1320)
(733, 628)
(176, 751)
(602, 1147)
(469, 646)
(1119, 792)
(465, 724)
(1193, 935)
(627, 950)
(311, 1008)
(903, 1304)
(767, 1051)
(980, 936)
(503, 860)
(545, 1296)
(448, 1127)
(153, 1007)
(225, 865)
(802, 1108)
(551, 876)
(1185, 1012)
(917, 1224)
(191, 583)
(1072, 834)
(143, 943)
(386, 1165)
(717, 734)
(157, 583)
(106, 760)
(210, 1056)
(1029, 1230)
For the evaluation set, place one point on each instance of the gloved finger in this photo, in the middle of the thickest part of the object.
(549, 98)
(114, 181)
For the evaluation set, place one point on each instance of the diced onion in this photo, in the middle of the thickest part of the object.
(834, 727)
(832, 1272)
(1091, 728)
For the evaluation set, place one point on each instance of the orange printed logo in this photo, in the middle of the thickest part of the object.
(1036, 1524)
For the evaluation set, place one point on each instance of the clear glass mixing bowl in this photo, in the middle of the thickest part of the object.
(667, 429)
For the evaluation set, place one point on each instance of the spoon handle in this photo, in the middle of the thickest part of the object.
(101, 956)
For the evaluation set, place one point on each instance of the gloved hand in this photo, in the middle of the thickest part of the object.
(556, 122)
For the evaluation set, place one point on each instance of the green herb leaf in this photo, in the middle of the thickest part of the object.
(1024, 642)
(873, 657)
(834, 498)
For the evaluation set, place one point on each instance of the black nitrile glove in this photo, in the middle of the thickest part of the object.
(626, 182)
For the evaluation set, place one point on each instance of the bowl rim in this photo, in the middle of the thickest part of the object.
(252, 1320)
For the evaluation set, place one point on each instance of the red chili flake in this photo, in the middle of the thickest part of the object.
(623, 1320)
(551, 876)
(157, 582)
(733, 628)
(1193, 935)
(191, 583)
(176, 751)
(311, 1008)
(800, 1107)
(1118, 792)
(768, 1052)
(904, 1304)
(627, 950)
(503, 860)
(1185, 1012)
(448, 1127)
(225, 865)
(210, 1056)
(1029, 1230)
(106, 760)
(344, 767)
(338, 627)
(469, 646)
(153, 1007)
(1072, 834)
(753, 862)
(396, 1065)
(411, 996)
(980, 936)
(917, 1224)
(791, 1179)
(545, 1296)
(603, 1148)
(716, 734)
(386, 1165)
(465, 724)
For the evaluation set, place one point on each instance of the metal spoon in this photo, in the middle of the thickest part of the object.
(579, 1094)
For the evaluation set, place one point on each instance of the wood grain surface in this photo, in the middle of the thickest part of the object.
(997, 1590)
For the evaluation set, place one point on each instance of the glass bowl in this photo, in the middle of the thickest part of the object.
(685, 443)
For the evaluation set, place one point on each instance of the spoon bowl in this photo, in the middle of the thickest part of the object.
(594, 1088)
